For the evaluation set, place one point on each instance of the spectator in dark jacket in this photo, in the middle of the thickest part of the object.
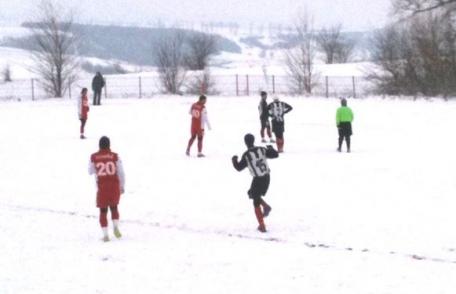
(98, 83)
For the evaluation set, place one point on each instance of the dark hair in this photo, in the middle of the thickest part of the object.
(249, 139)
(202, 97)
(83, 89)
(343, 101)
(263, 93)
(104, 143)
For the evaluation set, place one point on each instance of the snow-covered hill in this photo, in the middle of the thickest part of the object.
(256, 54)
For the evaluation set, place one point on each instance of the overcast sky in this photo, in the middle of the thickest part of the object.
(353, 14)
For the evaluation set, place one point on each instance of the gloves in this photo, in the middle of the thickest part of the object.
(234, 158)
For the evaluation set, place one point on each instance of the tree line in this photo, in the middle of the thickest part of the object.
(415, 54)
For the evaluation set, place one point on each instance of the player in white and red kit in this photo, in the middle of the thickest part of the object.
(199, 120)
(110, 178)
(83, 109)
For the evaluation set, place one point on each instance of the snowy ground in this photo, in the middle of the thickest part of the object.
(378, 220)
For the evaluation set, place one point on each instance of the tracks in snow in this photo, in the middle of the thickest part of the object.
(255, 237)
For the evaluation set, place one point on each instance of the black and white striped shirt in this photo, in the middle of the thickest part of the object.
(255, 158)
(277, 110)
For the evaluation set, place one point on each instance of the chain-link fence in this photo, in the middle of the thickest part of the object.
(145, 86)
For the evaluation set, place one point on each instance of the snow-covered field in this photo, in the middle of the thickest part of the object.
(378, 220)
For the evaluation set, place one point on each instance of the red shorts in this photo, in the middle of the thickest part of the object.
(197, 132)
(108, 197)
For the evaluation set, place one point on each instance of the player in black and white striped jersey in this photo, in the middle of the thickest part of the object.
(255, 158)
(277, 110)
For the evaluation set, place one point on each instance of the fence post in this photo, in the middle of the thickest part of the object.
(327, 86)
(247, 86)
(140, 87)
(33, 89)
(354, 87)
(273, 84)
(237, 85)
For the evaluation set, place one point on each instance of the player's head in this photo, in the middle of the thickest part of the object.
(104, 143)
(84, 91)
(264, 94)
(343, 102)
(249, 139)
(202, 99)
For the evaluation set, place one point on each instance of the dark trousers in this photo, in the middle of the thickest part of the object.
(97, 97)
(345, 131)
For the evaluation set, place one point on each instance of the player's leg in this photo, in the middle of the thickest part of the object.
(341, 138)
(347, 141)
(115, 220)
(104, 222)
(190, 143)
(279, 140)
(266, 207)
(263, 128)
(81, 128)
(200, 144)
(254, 194)
(259, 214)
(268, 130)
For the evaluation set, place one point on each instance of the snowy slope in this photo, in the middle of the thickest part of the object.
(378, 220)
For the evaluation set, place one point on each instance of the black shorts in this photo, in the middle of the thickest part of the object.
(259, 186)
(278, 127)
(265, 123)
(345, 129)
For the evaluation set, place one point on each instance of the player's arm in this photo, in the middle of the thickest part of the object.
(206, 119)
(92, 169)
(121, 175)
(239, 165)
(270, 111)
(288, 108)
(338, 117)
(79, 106)
(271, 152)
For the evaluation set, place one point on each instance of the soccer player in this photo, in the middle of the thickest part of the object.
(83, 109)
(277, 110)
(110, 178)
(255, 159)
(344, 118)
(199, 120)
(264, 117)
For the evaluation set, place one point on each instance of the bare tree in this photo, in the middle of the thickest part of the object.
(202, 83)
(414, 7)
(417, 57)
(395, 59)
(336, 47)
(55, 48)
(299, 60)
(170, 59)
(201, 47)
